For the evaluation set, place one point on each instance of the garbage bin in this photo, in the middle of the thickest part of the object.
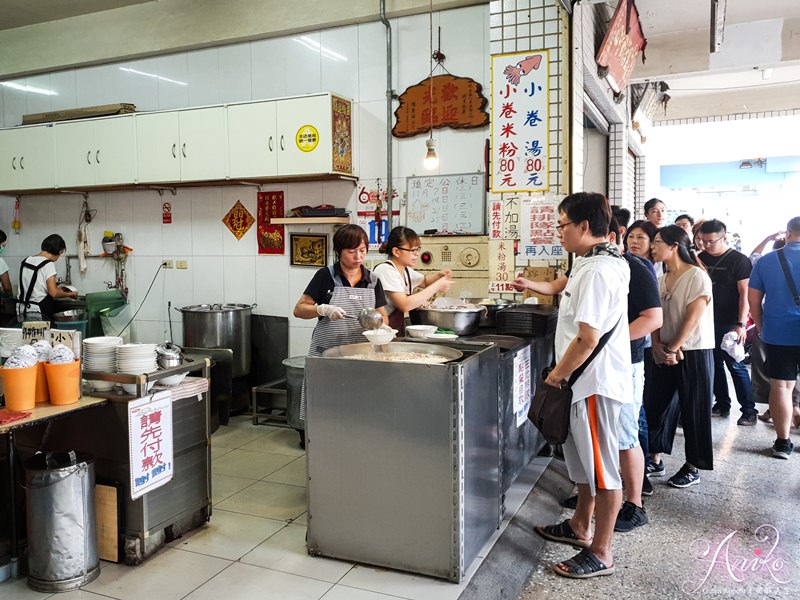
(62, 533)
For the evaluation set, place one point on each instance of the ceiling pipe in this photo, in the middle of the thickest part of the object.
(389, 98)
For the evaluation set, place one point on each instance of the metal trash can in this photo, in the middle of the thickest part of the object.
(62, 532)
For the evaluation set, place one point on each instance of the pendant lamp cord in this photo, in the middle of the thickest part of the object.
(430, 59)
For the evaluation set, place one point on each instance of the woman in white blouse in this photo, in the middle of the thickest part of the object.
(682, 352)
(399, 279)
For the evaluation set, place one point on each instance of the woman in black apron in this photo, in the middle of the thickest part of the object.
(37, 281)
(399, 278)
(344, 288)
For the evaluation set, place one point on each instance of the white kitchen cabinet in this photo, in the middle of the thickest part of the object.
(309, 135)
(158, 147)
(186, 145)
(315, 135)
(26, 158)
(252, 140)
(203, 147)
(95, 152)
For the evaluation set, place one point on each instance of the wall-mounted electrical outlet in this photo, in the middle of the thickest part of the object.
(182, 264)
(169, 264)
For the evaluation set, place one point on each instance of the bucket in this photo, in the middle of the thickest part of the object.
(63, 382)
(42, 393)
(19, 388)
(295, 372)
(62, 530)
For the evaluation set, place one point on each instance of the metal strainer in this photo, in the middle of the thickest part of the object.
(370, 318)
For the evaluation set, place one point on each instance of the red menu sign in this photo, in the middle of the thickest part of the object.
(271, 238)
(624, 40)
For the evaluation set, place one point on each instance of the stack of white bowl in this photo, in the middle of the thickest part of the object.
(136, 359)
(100, 355)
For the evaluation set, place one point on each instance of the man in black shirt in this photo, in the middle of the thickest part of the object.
(730, 273)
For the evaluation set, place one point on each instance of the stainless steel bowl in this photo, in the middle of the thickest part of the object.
(461, 321)
(492, 306)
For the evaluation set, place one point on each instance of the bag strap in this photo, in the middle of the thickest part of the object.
(603, 340)
(789, 278)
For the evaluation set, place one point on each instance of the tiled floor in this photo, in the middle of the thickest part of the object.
(254, 546)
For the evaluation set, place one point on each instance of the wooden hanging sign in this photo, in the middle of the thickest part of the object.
(456, 102)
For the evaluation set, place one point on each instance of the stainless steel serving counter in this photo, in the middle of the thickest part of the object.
(404, 460)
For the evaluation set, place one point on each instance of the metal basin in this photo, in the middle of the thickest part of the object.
(394, 347)
(461, 321)
(492, 306)
(70, 315)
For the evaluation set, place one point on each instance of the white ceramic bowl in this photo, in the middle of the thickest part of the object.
(380, 336)
(130, 388)
(419, 331)
(441, 336)
(173, 379)
(100, 385)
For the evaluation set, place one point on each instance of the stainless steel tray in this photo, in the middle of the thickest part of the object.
(366, 349)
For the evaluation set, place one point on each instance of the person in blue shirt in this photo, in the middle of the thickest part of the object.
(774, 283)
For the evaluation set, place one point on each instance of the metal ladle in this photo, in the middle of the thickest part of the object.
(368, 318)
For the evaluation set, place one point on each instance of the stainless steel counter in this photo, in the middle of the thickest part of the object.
(404, 460)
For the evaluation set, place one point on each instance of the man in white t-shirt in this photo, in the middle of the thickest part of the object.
(594, 302)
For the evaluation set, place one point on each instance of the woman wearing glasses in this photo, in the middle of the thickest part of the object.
(399, 278)
(683, 354)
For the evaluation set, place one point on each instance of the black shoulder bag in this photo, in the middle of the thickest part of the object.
(789, 279)
(549, 410)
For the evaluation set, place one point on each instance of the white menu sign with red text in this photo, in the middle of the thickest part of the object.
(522, 385)
(150, 442)
(520, 121)
(539, 240)
(501, 266)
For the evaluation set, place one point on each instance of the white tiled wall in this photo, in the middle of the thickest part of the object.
(347, 60)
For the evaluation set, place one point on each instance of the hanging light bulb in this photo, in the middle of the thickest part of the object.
(431, 158)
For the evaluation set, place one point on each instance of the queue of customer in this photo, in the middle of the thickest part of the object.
(696, 319)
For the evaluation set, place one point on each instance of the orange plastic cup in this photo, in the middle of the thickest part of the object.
(42, 393)
(19, 388)
(62, 381)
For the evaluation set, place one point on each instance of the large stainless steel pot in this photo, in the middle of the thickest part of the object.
(416, 347)
(461, 321)
(220, 326)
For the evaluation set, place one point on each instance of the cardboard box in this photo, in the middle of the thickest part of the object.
(104, 110)
(539, 274)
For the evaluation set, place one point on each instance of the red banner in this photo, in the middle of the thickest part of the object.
(624, 40)
(271, 238)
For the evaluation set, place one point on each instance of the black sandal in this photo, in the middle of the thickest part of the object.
(583, 566)
(561, 532)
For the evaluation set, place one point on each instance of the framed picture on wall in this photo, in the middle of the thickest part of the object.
(309, 249)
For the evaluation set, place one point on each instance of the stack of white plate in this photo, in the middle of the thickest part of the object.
(136, 359)
(100, 354)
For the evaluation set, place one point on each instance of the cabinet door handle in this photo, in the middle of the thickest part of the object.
(97, 157)
(88, 154)
(183, 150)
(282, 147)
(14, 163)
(173, 151)
(270, 143)
(22, 162)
